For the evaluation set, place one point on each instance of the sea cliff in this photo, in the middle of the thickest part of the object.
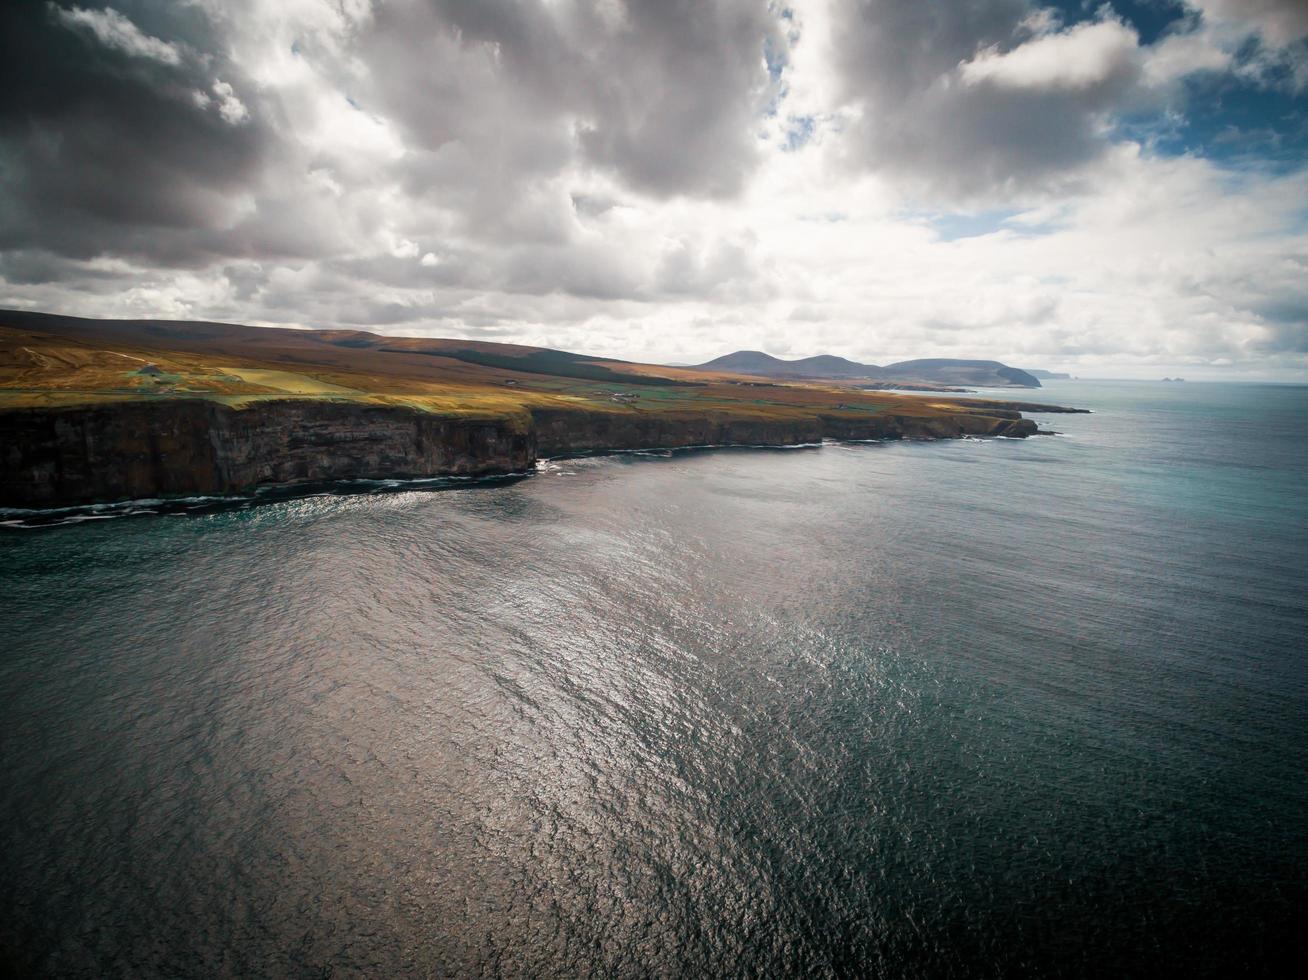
(177, 447)
(562, 432)
(130, 450)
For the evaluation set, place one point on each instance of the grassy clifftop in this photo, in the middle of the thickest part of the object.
(102, 410)
(53, 361)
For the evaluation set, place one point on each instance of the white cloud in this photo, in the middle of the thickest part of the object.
(1081, 57)
(231, 108)
(113, 30)
(1178, 56)
(1280, 22)
(1280, 59)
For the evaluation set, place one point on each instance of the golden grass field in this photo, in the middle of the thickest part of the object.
(63, 361)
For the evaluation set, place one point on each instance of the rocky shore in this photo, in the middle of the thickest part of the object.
(179, 447)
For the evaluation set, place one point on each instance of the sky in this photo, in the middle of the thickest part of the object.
(1105, 188)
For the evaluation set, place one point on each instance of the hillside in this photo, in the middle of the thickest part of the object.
(982, 374)
(765, 365)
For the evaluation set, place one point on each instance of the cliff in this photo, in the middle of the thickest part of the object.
(562, 432)
(128, 450)
(179, 447)
(175, 448)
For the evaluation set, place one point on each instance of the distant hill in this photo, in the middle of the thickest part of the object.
(822, 366)
(1047, 375)
(943, 371)
(983, 374)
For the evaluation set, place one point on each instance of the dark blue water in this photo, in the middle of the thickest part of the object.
(951, 709)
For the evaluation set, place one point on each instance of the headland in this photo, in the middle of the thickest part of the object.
(104, 410)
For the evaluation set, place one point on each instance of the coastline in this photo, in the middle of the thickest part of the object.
(191, 454)
(98, 411)
(77, 456)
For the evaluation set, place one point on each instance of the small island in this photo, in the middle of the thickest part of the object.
(105, 410)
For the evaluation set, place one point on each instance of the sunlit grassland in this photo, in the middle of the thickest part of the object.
(460, 379)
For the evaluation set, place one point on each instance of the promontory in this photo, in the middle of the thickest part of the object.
(103, 410)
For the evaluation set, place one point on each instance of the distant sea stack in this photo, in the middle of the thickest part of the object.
(939, 371)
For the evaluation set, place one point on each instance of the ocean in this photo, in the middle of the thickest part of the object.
(973, 708)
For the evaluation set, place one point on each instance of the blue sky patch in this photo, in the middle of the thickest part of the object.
(952, 227)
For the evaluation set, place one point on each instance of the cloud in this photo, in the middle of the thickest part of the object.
(982, 100)
(114, 30)
(231, 108)
(1179, 56)
(1084, 57)
(1279, 59)
(661, 95)
(104, 145)
(1280, 22)
(225, 101)
(654, 178)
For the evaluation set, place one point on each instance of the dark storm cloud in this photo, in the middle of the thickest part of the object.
(926, 120)
(683, 119)
(114, 139)
(31, 267)
(663, 94)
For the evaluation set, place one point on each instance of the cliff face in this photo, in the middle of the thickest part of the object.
(954, 426)
(129, 450)
(562, 432)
